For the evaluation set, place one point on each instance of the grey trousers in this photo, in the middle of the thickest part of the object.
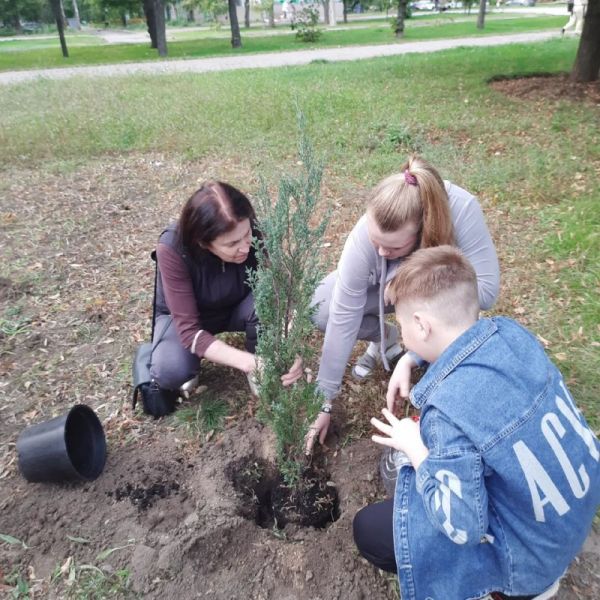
(172, 364)
(369, 326)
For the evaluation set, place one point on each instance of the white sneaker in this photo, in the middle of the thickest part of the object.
(188, 387)
(549, 593)
(372, 357)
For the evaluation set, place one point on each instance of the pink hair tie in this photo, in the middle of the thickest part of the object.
(410, 178)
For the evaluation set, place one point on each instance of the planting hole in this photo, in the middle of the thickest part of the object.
(267, 501)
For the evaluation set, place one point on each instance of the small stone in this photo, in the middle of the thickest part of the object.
(309, 575)
(191, 519)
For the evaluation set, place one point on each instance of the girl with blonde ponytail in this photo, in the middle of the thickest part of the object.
(414, 208)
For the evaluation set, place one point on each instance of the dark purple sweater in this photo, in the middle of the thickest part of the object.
(197, 292)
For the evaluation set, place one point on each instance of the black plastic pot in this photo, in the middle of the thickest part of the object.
(71, 447)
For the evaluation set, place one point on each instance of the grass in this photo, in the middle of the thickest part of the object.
(534, 164)
(13, 58)
(82, 581)
(571, 286)
(437, 103)
(204, 419)
(13, 325)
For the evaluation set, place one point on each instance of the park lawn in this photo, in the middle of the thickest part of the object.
(39, 43)
(220, 46)
(533, 163)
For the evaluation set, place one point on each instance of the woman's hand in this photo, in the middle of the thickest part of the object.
(403, 435)
(399, 385)
(294, 373)
(318, 429)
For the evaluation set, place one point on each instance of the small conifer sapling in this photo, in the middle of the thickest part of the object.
(289, 270)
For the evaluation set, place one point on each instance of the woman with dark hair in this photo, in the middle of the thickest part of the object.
(202, 291)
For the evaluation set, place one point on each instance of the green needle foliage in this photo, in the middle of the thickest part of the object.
(289, 270)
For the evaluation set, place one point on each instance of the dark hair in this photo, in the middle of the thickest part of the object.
(214, 209)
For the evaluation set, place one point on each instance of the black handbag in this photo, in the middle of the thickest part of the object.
(156, 401)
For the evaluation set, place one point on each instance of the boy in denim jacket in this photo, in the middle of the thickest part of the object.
(505, 475)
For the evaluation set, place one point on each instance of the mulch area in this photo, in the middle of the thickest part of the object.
(548, 87)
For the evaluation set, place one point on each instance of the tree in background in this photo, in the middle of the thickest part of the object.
(155, 19)
(123, 8)
(76, 18)
(212, 9)
(268, 7)
(60, 25)
(468, 5)
(289, 270)
(12, 12)
(587, 61)
(215, 8)
(481, 14)
(236, 38)
(398, 23)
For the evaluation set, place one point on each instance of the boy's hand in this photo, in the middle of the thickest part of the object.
(399, 385)
(403, 434)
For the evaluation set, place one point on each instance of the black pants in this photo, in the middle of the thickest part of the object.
(374, 534)
(173, 365)
(374, 537)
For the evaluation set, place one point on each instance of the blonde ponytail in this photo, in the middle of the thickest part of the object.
(416, 194)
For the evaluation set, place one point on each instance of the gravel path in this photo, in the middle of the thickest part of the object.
(271, 59)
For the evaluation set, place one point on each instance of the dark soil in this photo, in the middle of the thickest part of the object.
(144, 497)
(75, 302)
(270, 503)
(548, 87)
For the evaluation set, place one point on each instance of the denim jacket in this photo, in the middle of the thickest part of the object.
(506, 497)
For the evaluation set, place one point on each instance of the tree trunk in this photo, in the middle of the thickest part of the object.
(332, 17)
(236, 38)
(587, 61)
(60, 25)
(326, 11)
(62, 14)
(161, 33)
(76, 15)
(150, 21)
(15, 22)
(247, 14)
(400, 18)
(481, 15)
(272, 15)
(346, 11)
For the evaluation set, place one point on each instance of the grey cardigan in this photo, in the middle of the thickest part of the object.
(361, 267)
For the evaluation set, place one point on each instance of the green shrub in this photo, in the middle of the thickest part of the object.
(289, 270)
(306, 24)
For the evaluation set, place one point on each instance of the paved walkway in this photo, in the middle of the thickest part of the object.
(271, 59)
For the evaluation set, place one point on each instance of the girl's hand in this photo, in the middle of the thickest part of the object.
(399, 385)
(318, 429)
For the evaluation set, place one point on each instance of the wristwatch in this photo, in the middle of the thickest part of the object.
(326, 408)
